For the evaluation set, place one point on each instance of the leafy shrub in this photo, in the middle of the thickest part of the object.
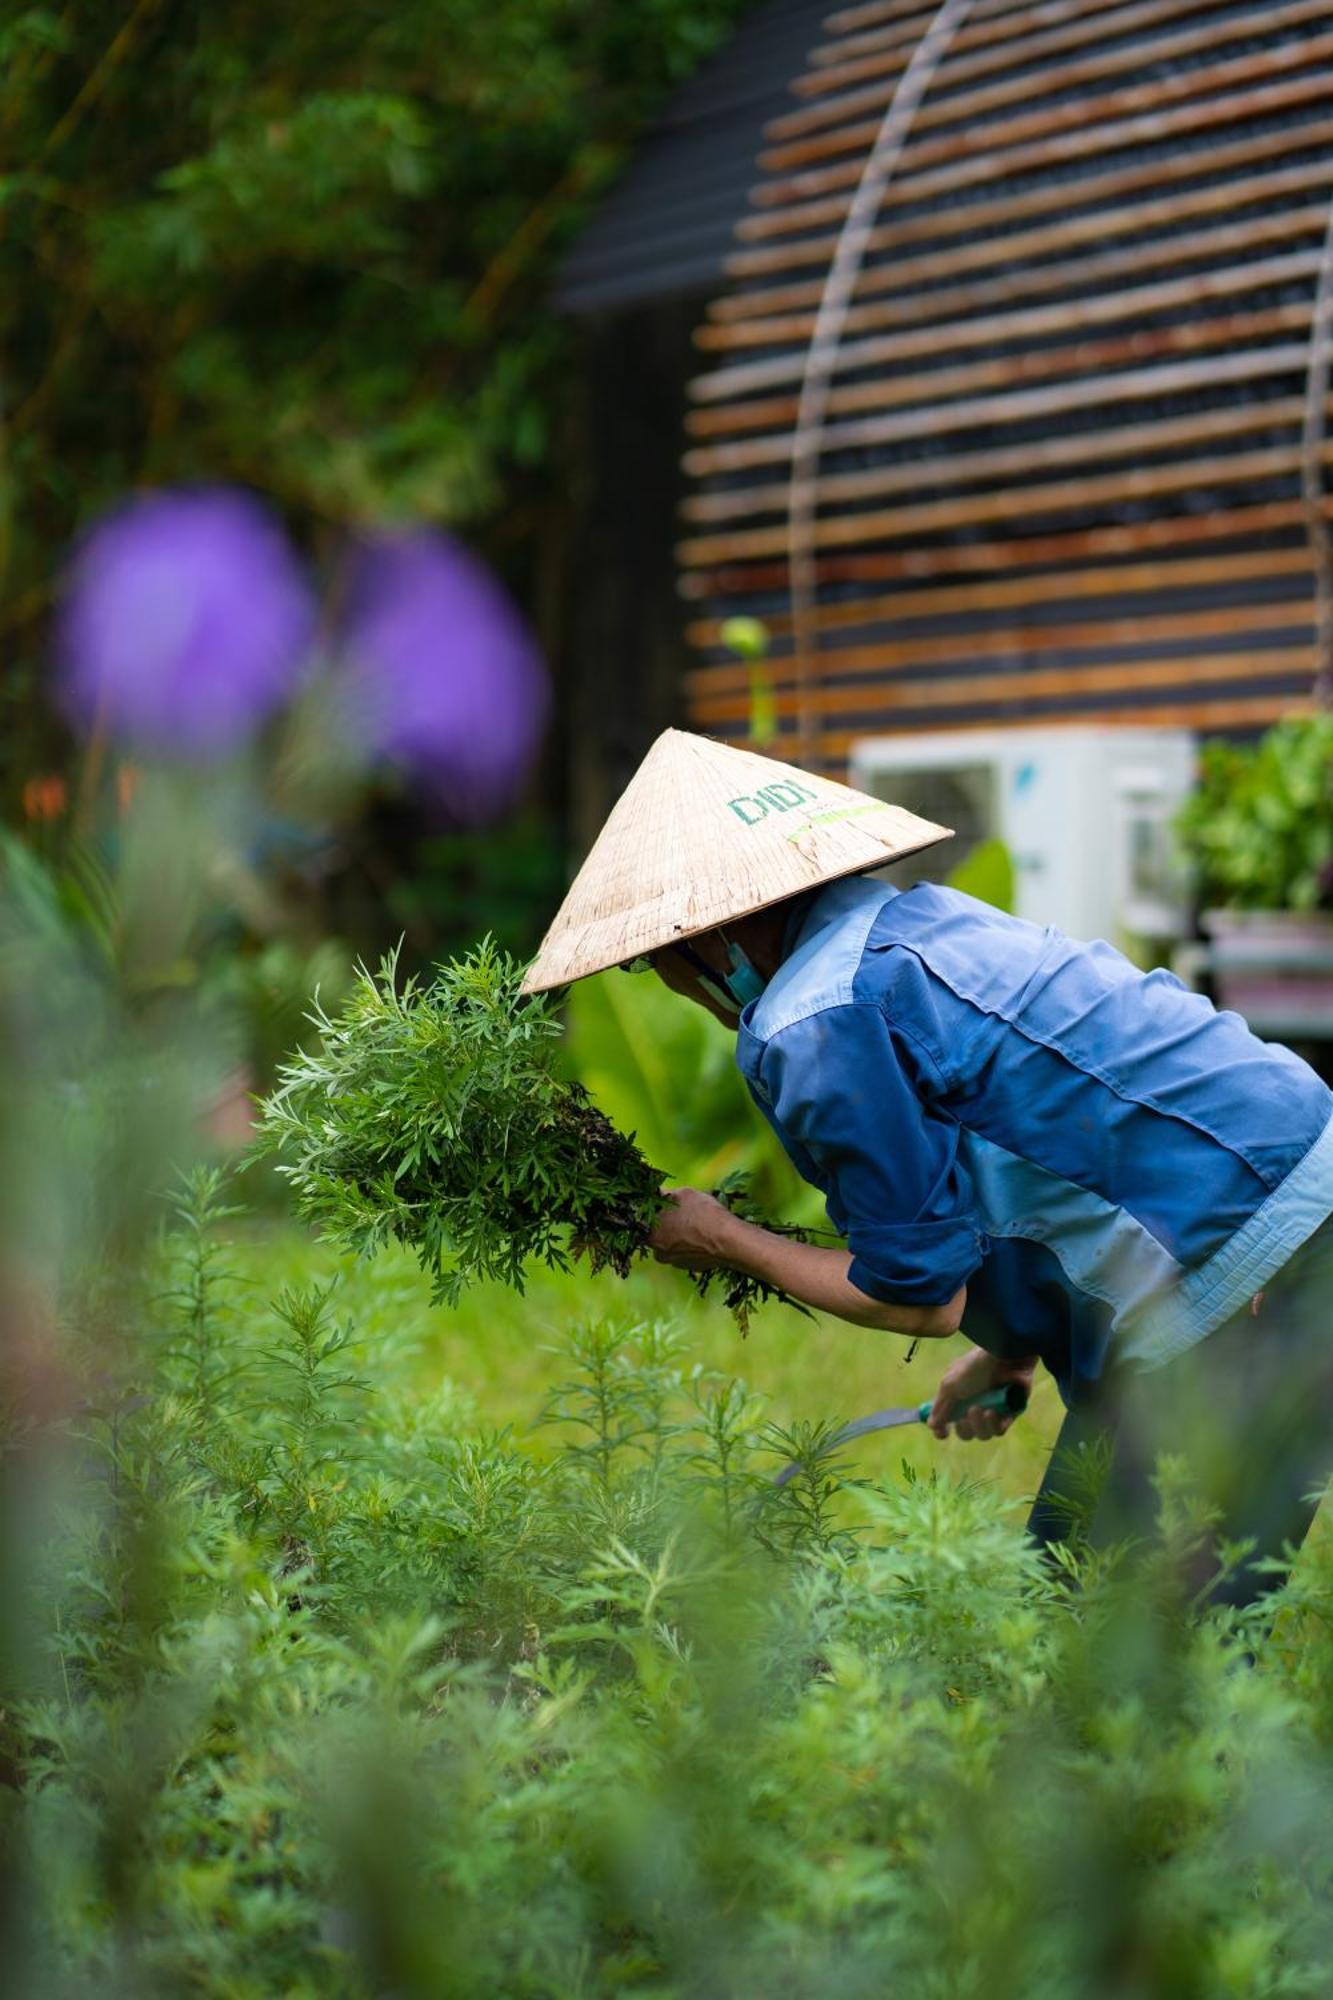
(439, 1117)
(1259, 826)
(339, 1695)
(290, 183)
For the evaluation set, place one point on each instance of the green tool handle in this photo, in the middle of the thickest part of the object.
(1011, 1399)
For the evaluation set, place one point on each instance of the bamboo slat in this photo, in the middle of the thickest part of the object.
(1120, 583)
(990, 329)
(989, 18)
(1049, 365)
(857, 665)
(1244, 712)
(982, 49)
(1073, 232)
(1038, 684)
(808, 141)
(1019, 505)
(965, 413)
(1061, 454)
(1062, 128)
(1016, 462)
(979, 216)
(977, 167)
(970, 312)
(1240, 712)
(1060, 554)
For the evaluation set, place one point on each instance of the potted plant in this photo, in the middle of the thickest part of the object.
(1258, 832)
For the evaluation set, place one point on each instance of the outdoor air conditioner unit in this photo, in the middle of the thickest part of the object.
(1085, 814)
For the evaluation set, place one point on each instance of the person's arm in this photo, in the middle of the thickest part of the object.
(697, 1232)
(850, 1107)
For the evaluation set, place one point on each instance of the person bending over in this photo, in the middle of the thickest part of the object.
(1085, 1166)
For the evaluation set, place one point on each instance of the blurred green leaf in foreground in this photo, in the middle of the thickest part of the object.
(340, 1692)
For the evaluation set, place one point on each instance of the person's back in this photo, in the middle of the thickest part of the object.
(969, 1089)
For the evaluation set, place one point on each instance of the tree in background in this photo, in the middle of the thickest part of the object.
(302, 249)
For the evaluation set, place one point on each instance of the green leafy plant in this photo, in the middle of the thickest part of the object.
(1258, 828)
(987, 872)
(747, 638)
(338, 1695)
(237, 264)
(438, 1116)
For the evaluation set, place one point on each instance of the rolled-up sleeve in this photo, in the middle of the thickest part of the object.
(839, 1090)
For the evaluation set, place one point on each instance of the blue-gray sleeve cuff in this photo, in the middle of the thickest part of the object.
(917, 1264)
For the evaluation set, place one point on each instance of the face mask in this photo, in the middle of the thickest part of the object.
(732, 990)
(743, 983)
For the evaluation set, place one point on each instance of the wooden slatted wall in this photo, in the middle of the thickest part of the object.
(1060, 476)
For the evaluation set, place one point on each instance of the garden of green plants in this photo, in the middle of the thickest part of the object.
(397, 1599)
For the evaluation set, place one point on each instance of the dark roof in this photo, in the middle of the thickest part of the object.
(665, 229)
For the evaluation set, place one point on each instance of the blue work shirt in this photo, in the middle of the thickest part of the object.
(1103, 1158)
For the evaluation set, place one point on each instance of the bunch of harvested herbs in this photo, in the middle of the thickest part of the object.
(438, 1117)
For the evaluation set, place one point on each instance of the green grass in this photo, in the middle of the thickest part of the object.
(496, 1347)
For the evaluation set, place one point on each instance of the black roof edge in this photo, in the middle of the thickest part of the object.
(651, 238)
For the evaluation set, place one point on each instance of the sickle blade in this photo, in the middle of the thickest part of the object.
(878, 1420)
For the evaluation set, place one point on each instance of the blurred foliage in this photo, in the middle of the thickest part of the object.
(986, 872)
(748, 640)
(313, 1684)
(666, 1071)
(307, 251)
(272, 992)
(165, 946)
(457, 887)
(338, 1693)
(1258, 828)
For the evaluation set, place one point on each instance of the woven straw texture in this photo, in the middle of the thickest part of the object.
(705, 834)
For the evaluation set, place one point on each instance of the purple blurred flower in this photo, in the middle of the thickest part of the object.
(443, 677)
(187, 621)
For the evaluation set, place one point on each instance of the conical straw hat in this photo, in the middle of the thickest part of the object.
(704, 834)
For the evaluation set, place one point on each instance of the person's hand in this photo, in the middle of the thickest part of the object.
(691, 1232)
(972, 1375)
